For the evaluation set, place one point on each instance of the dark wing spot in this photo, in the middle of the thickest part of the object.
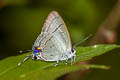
(72, 50)
(51, 55)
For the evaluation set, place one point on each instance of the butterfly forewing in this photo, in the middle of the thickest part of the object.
(54, 39)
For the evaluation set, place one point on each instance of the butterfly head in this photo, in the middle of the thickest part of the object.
(36, 52)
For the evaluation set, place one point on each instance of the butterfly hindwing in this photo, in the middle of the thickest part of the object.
(54, 39)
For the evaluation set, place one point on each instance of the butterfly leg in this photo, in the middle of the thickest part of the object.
(56, 63)
(74, 58)
(66, 61)
(25, 59)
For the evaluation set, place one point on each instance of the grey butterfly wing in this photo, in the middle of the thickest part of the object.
(54, 39)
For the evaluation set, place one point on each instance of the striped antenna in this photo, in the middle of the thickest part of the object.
(82, 40)
(25, 51)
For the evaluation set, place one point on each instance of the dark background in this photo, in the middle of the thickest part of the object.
(21, 22)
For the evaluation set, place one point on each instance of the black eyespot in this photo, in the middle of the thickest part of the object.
(51, 55)
(35, 57)
(72, 50)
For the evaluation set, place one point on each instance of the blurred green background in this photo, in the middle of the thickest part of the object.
(21, 22)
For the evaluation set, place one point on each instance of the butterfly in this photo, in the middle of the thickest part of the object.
(54, 43)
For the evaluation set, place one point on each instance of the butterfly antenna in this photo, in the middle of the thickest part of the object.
(26, 58)
(20, 51)
(82, 40)
(29, 50)
(26, 50)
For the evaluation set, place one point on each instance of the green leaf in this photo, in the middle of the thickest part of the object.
(40, 70)
(86, 53)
